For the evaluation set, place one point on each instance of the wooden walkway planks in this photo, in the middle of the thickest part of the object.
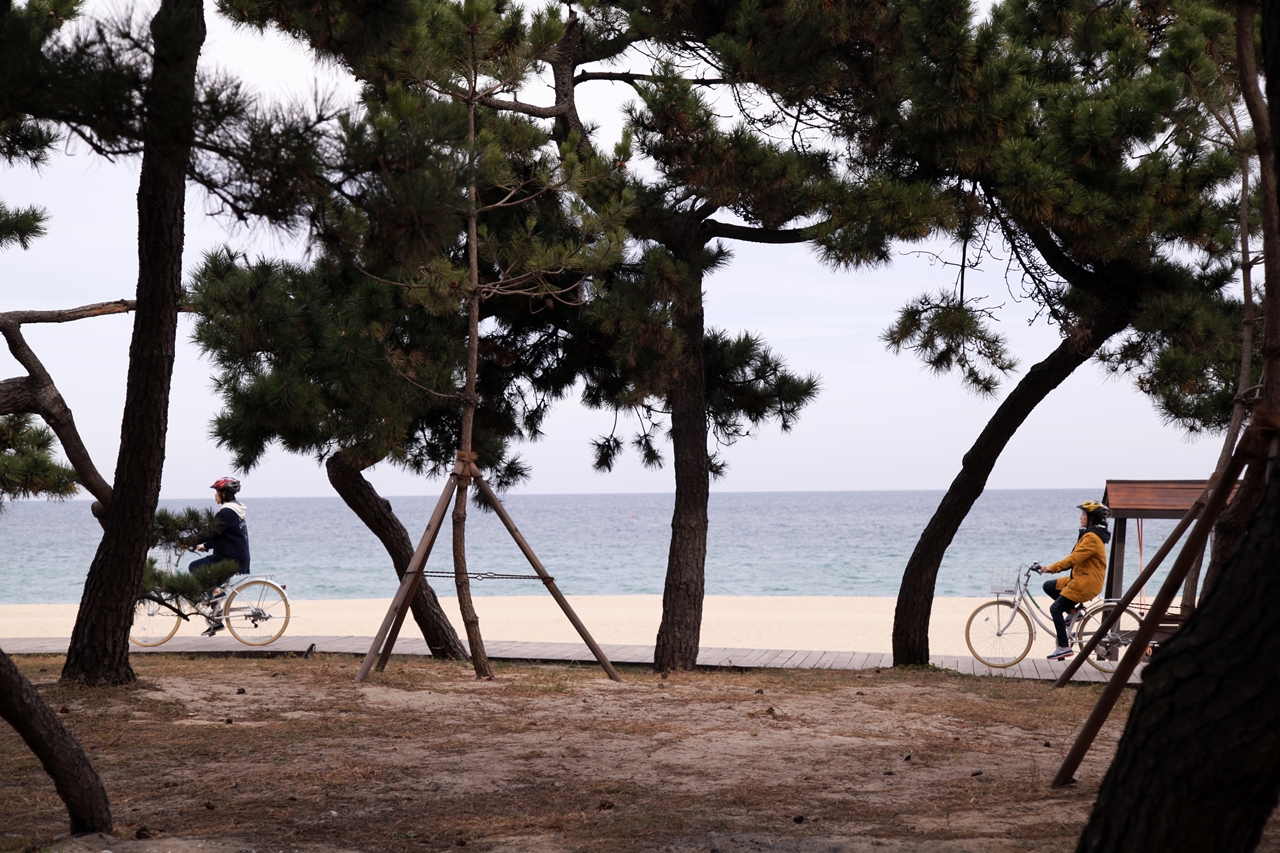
(715, 657)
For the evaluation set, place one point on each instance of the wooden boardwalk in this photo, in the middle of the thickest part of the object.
(1034, 668)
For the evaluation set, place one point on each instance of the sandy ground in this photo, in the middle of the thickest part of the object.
(287, 754)
(828, 623)
(236, 755)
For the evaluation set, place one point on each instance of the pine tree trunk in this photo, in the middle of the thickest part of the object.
(915, 595)
(99, 650)
(470, 621)
(62, 756)
(376, 513)
(1198, 767)
(681, 626)
(470, 400)
(1230, 526)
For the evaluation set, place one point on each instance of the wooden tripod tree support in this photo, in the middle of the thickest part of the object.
(1159, 606)
(1118, 610)
(385, 640)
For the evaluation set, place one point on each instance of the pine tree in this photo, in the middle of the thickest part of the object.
(1202, 726)
(468, 205)
(1079, 148)
(651, 317)
(664, 358)
(300, 358)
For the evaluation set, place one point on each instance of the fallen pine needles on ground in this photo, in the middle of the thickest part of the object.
(286, 753)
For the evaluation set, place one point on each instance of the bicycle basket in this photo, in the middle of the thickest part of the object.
(1004, 581)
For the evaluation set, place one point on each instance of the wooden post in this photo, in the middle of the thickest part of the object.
(1115, 572)
(542, 573)
(1114, 616)
(1119, 679)
(390, 629)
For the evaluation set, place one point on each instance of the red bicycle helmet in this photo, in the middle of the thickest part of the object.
(227, 484)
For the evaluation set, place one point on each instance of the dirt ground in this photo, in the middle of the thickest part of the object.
(223, 755)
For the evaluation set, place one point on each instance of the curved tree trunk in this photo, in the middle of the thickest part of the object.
(99, 650)
(64, 759)
(376, 513)
(1198, 766)
(915, 596)
(681, 627)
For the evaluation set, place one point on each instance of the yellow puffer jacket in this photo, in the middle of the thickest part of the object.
(1088, 565)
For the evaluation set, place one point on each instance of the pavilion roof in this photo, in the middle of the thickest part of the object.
(1152, 498)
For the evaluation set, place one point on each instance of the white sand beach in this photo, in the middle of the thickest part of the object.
(775, 622)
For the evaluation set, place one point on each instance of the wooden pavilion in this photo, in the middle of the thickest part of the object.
(1142, 499)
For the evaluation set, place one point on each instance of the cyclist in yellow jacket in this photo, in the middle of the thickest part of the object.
(1088, 565)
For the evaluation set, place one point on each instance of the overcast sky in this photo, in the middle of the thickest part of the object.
(881, 421)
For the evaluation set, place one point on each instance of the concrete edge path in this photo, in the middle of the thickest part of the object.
(1032, 668)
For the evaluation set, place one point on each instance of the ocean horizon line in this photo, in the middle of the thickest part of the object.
(335, 496)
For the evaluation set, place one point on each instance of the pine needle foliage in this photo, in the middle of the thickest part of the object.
(642, 310)
(27, 466)
(25, 140)
(174, 533)
(190, 585)
(325, 358)
(1067, 125)
(948, 334)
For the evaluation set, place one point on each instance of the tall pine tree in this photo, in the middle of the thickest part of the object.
(1080, 151)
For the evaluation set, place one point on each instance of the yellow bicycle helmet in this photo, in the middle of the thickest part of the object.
(1095, 508)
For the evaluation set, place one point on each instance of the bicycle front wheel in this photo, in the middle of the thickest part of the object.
(256, 612)
(153, 623)
(1111, 646)
(999, 634)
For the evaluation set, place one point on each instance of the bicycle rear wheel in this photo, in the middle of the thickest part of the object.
(1117, 640)
(256, 612)
(998, 634)
(153, 623)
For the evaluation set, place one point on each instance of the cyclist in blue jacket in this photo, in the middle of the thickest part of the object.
(229, 538)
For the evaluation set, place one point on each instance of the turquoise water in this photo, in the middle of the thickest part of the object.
(759, 543)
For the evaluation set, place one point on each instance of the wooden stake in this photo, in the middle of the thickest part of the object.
(1114, 616)
(391, 623)
(547, 580)
(1147, 629)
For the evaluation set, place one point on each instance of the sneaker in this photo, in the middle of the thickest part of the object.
(214, 627)
(1076, 617)
(1061, 653)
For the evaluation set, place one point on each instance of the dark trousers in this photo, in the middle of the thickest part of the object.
(207, 561)
(1059, 610)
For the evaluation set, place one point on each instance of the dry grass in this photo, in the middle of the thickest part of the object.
(292, 752)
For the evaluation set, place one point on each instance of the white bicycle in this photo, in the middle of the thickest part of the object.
(254, 609)
(1000, 633)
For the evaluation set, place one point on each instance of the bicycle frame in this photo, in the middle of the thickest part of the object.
(1021, 595)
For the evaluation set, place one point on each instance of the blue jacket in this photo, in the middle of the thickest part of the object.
(229, 539)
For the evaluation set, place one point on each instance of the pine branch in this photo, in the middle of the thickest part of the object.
(531, 110)
(41, 396)
(712, 229)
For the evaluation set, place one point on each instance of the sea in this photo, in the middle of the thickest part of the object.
(759, 543)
